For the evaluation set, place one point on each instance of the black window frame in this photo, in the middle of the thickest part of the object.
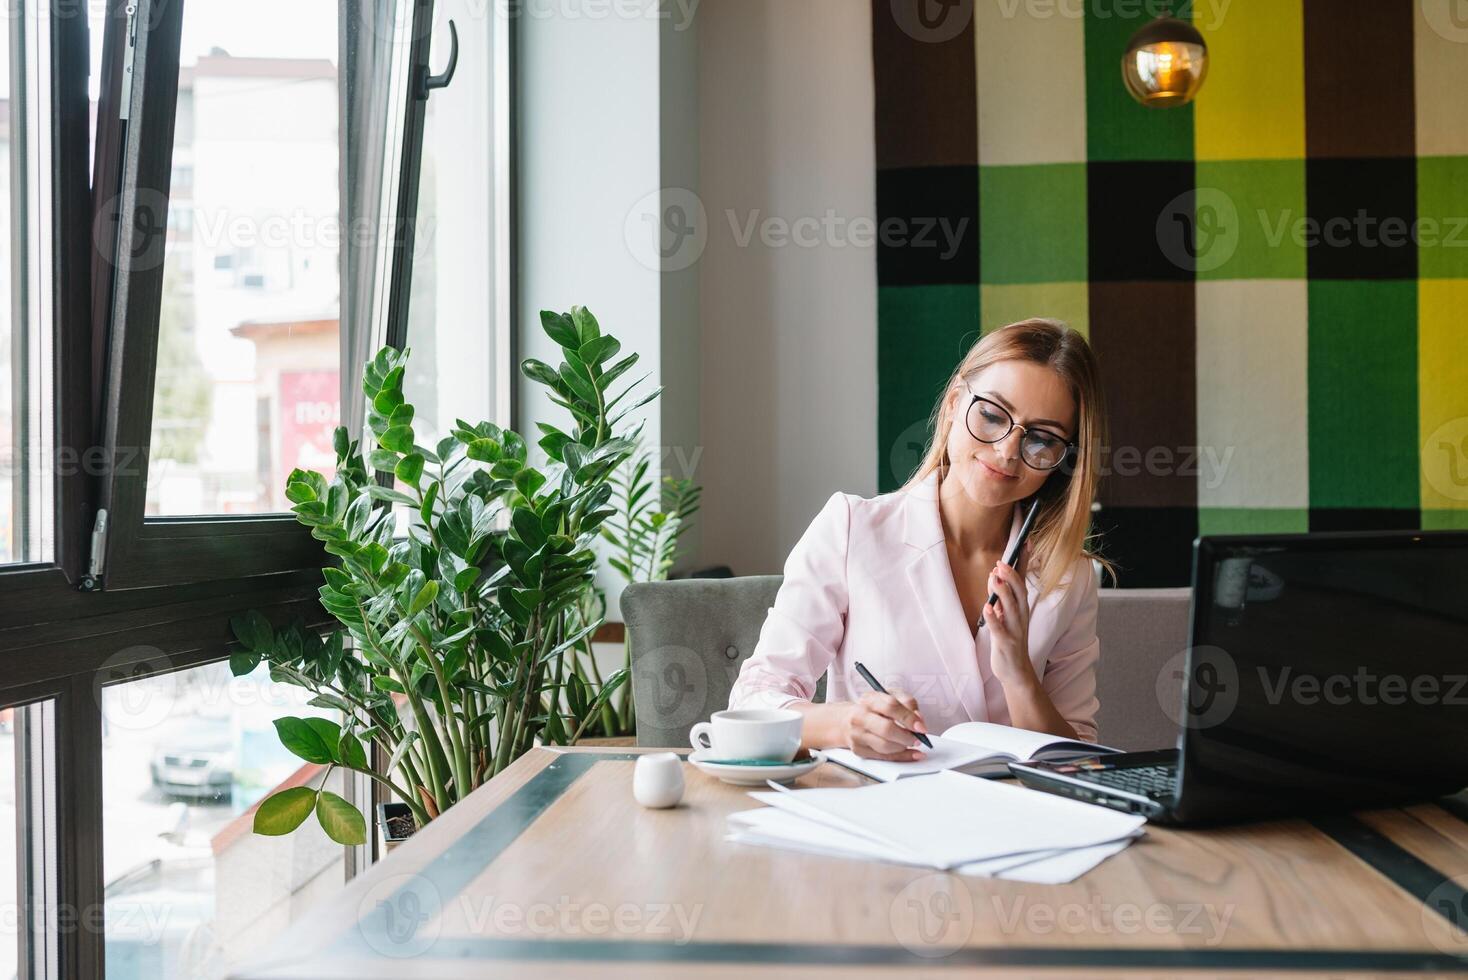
(62, 627)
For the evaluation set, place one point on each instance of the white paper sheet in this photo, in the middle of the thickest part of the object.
(947, 819)
(773, 827)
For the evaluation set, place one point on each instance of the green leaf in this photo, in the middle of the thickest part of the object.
(299, 493)
(587, 329)
(600, 350)
(559, 328)
(390, 495)
(483, 450)
(342, 822)
(305, 740)
(283, 812)
(424, 598)
(350, 751)
(384, 683)
(398, 438)
(253, 631)
(527, 528)
(581, 386)
(401, 750)
(383, 459)
(341, 441)
(410, 469)
(617, 370)
(464, 581)
(241, 664)
(540, 371)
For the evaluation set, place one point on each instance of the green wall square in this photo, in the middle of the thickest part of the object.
(1442, 217)
(1252, 520)
(1364, 449)
(1265, 202)
(1117, 126)
(1032, 223)
(922, 334)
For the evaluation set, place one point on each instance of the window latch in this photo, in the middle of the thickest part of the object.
(129, 48)
(426, 82)
(92, 581)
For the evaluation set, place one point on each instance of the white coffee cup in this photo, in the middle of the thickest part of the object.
(749, 733)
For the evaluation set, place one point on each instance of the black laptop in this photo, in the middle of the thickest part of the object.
(1325, 672)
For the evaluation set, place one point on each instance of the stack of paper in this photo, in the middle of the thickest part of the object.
(947, 821)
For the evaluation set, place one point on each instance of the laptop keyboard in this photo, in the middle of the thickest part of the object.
(1153, 782)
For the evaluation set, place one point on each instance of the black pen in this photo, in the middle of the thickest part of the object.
(1019, 542)
(877, 686)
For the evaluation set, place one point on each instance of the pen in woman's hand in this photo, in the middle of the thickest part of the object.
(877, 686)
(1019, 542)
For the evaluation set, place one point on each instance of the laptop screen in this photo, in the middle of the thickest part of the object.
(1328, 668)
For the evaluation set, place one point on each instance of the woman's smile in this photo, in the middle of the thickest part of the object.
(996, 474)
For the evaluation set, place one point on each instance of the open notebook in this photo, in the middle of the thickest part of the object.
(978, 748)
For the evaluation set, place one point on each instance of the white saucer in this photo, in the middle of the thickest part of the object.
(755, 775)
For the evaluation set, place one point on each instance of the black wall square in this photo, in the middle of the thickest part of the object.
(1361, 216)
(928, 232)
(1140, 223)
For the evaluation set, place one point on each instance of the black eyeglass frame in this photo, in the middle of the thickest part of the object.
(1070, 446)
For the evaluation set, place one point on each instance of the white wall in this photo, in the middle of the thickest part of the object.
(788, 332)
(767, 350)
(608, 141)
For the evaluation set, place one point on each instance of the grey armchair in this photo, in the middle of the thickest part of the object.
(688, 638)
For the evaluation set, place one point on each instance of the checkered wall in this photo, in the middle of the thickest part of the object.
(1274, 278)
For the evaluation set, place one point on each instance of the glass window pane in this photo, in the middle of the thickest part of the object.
(26, 444)
(247, 387)
(191, 891)
(452, 302)
(9, 846)
(28, 840)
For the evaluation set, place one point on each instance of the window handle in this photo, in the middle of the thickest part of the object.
(427, 83)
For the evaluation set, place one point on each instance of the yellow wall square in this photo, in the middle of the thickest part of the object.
(1442, 386)
(1068, 301)
(1252, 104)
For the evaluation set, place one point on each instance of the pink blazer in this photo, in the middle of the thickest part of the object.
(869, 581)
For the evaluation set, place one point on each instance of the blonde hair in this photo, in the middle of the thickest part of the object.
(1061, 533)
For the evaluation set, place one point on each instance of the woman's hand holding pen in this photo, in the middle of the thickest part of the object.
(1008, 621)
(880, 726)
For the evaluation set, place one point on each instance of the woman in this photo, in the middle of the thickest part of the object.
(898, 582)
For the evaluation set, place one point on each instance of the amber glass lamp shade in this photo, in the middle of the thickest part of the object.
(1165, 63)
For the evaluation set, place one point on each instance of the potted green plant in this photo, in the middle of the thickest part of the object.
(643, 536)
(454, 643)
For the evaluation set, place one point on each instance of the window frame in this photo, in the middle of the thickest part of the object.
(61, 628)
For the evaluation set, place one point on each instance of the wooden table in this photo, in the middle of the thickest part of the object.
(553, 870)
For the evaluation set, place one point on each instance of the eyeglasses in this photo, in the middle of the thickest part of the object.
(1040, 449)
